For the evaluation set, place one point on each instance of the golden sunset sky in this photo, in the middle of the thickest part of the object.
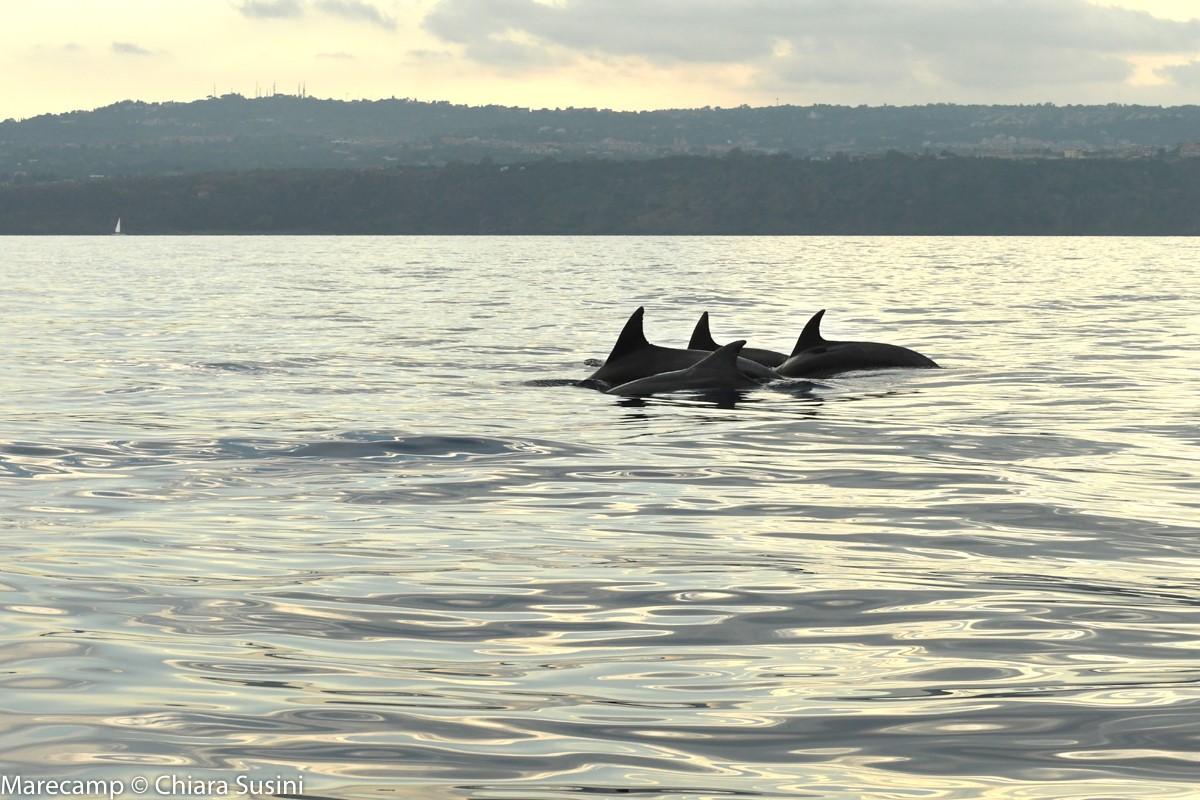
(62, 55)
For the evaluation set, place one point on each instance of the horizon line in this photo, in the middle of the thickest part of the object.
(305, 95)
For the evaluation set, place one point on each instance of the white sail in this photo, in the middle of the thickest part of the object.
(118, 230)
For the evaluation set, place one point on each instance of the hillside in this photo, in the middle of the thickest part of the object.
(285, 132)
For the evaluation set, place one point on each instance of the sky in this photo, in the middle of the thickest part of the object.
(64, 55)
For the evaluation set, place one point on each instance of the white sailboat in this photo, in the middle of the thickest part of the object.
(117, 232)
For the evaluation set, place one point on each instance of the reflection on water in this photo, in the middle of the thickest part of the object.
(335, 509)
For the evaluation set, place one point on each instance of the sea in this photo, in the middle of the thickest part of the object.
(329, 517)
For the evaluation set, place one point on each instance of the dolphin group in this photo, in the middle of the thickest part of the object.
(633, 357)
(635, 367)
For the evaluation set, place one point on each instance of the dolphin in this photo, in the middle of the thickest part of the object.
(633, 357)
(816, 357)
(702, 340)
(716, 372)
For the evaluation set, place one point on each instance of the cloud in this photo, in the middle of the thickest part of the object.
(351, 10)
(943, 46)
(357, 11)
(271, 9)
(673, 30)
(128, 49)
(430, 57)
(338, 56)
(1185, 75)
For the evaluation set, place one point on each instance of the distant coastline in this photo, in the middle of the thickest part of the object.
(288, 132)
(734, 194)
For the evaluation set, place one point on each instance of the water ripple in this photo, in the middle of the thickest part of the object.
(416, 560)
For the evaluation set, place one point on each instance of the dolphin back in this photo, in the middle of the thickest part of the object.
(702, 340)
(719, 370)
(838, 357)
(815, 356)
(634, 357)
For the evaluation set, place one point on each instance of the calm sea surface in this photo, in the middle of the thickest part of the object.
(320, 511)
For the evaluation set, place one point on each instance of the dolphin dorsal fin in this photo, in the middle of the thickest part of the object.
(810, 337)
(701, 336)
(632, 337)
(723, 358)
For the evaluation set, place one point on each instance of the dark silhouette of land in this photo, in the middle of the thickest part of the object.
(737, 193)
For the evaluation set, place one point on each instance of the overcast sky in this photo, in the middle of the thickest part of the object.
(60, 55)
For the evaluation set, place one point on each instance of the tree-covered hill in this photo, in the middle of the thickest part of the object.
(284, 132)
(734, 194)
